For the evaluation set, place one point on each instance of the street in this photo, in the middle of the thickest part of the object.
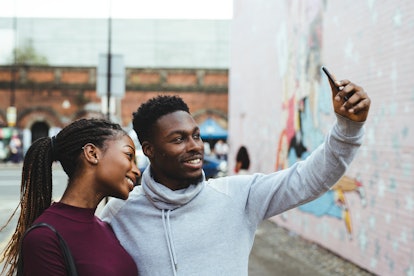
(10, 177)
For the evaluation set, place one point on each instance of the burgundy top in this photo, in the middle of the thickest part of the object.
(92, 242)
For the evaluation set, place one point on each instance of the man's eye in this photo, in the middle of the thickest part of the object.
(178, 139)
(196, 136)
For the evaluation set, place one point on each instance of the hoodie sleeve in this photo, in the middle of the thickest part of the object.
(271, 194)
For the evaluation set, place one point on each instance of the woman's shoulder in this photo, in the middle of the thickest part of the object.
(42, 240)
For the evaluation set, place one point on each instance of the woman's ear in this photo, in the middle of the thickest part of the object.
(91, 153)
(147, 149)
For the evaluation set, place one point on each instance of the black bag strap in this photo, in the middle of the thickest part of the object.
(69, 262)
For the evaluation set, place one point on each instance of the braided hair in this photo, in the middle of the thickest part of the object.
(149, 112)
(36, 184)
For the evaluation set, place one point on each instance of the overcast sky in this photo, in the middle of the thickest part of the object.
(185, 9)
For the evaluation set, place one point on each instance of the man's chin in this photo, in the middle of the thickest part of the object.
(195, 180)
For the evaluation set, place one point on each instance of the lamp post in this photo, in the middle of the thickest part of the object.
(108, 77)
(108, 85)
(13, 69)
(11, 110)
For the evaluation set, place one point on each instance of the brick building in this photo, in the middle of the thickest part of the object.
(186, 57)
(48, 98)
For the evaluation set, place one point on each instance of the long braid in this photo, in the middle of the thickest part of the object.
(36, 184)
(36, 188)
(35, 196)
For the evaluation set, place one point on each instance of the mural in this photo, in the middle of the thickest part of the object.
(369, 42)
(306, 105)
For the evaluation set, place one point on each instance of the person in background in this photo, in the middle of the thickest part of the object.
(16, 148)
(201, 227)
(242, 161)
(207, 148)
(221, 149)
(99, 159)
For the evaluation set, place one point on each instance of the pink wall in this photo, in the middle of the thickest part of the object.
(277, 93)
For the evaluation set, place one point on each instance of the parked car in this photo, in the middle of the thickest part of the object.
(214, 167)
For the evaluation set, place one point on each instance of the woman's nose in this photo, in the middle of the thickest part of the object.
(135, 170)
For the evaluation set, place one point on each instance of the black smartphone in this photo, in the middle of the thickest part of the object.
(331, 79)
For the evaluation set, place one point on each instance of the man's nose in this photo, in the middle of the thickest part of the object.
(195, 144)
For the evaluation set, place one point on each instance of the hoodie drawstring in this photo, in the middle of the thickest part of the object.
(168, 237)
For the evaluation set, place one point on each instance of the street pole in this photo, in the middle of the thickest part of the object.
(108, 86)
(108, 77)
(13, 69)
(11, 110)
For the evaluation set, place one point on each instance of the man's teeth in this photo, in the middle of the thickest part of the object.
(194, 161)
(130, 181)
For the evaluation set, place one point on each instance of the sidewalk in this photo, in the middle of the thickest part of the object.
(10, 165)
(276, 251)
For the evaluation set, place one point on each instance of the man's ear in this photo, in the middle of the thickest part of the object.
(147, 149)
(91, 153)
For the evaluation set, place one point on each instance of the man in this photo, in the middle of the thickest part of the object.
(177, 223)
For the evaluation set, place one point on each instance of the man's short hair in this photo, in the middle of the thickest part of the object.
(149, 112)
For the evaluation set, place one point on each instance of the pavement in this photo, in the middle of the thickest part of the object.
(277, 251)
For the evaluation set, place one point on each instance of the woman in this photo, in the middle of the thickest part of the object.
(99, 159)
(242, 161)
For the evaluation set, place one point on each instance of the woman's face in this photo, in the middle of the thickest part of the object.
(117, 171)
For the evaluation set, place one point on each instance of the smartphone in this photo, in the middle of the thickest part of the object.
(332, 80)
(330, 77)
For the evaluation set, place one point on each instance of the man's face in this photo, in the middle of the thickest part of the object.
(176, 151)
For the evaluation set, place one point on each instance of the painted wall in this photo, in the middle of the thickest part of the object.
(280, 109)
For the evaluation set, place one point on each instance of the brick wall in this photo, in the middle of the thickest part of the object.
(43, 90)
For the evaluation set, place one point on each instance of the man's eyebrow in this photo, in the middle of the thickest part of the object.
(175, 132)
(182, 131)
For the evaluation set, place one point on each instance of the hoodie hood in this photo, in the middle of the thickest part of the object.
(164, 198)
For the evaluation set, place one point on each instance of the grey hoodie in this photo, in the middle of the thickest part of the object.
(209, 228)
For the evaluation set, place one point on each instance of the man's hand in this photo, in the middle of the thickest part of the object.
(350, 100)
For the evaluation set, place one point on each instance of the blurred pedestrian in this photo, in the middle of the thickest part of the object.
(99, 160)
(207, 148)
(221, 149)
(242, 161)
(201, 227)
(15, 148)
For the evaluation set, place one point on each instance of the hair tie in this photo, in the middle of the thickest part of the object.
(54, 148)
